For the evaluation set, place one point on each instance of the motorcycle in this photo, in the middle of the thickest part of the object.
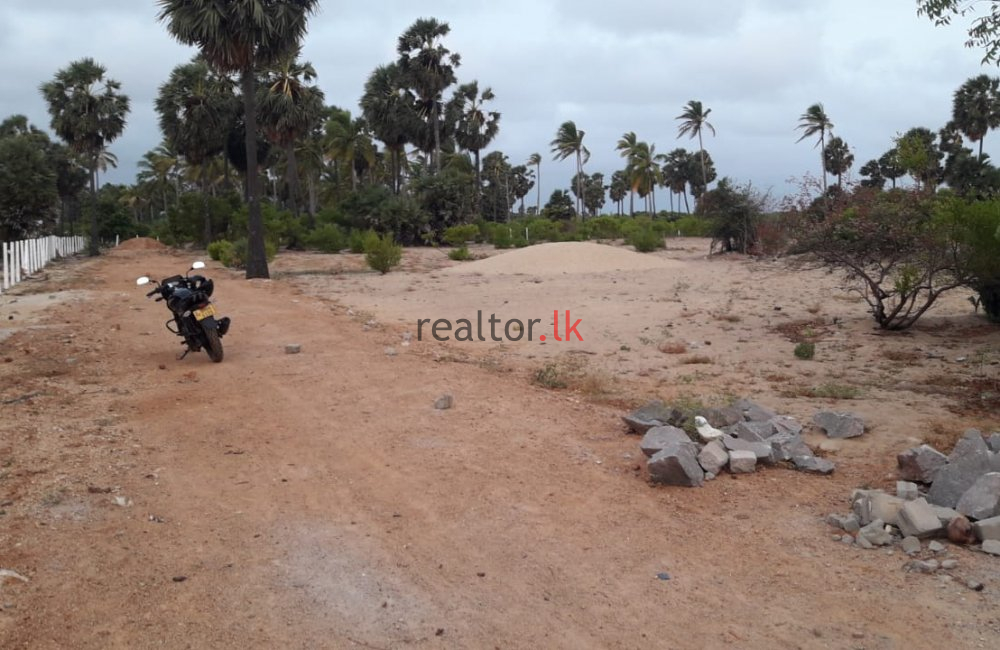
(195, 319)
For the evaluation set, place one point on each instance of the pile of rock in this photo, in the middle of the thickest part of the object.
(739, 438)
(955, 496)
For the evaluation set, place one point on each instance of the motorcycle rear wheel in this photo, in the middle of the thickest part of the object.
(213, 345)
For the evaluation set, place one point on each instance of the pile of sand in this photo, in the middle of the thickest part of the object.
(141, 244)
(565, 257)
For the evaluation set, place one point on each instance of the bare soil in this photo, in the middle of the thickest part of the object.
(319, 500)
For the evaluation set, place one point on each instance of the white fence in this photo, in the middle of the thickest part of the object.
(22, 258)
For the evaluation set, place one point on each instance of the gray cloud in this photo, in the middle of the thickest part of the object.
(612, 67)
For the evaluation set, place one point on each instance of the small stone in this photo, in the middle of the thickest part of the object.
(840, 425)
(836, 538)
(974, 585)
(935, 547)
(911, 545)
(444, 402)
(906, 490)
(851, 524)
(709, 476)
(876, 533)
(390, 352)
(864, 543)
(949, 564)
(991, 546)
(293, 348)
(813, 465)
(921, 566)
(742, 462)
(847, 539)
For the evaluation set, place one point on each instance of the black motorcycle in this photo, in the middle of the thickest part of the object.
(195, 319)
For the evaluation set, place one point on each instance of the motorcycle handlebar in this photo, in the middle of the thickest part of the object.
(151, 292)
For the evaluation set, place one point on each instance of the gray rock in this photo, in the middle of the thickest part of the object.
(753, 412)
(713, 457)
(839, 425)
(813, 465)
(930, 566)
(723, 417)
(906, 490)
(982, 500)
(710, 476)
(653, 414)
(659, 437)
(390, 351)
(876, 534)
(835, 520)
(742, 462)
(911, 545)
(987, 529)
(951, 481)
(786, 424)
(917, 518)
(785, 446)
(677, 464)
(971, 443)
(949, 564)
(944, 515)
(863, 542)
(991, 546)
(752, 431)
(885, 507)
(994, 442)
(851, 524)
(293, 348)
(444, 402)
(761, 450)
(847, 539)
(935, 547)
(920, 463)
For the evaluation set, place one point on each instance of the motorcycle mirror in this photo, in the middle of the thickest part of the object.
(198, 265)
(141, 281)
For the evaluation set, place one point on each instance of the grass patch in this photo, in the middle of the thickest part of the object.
(901, 356)
(805, 350)
(835, 391)
(573, 374)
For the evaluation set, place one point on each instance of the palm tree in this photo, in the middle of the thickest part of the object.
(290, 107)
(157, 169)
(476, 126)
(347, 140)
(677, 174)
(390, 113)
(429, 68)
(535, 159)
(694, 119)
(837, 158)
(569, 142)
(815, 121)
(626, 147)
(976, 108)
(105, 159)
(644, 173)
(197, 109)
(237, 37)
(88, 112)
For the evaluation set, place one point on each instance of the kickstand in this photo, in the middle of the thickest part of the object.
(181, 358)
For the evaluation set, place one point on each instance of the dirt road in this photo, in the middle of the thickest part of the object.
(318, 500)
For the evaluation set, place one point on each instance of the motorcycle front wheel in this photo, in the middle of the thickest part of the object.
(213, 345)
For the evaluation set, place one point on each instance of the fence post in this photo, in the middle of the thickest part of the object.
(6, 280)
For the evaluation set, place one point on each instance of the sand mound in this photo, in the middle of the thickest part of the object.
(565, 257)
(141, 244)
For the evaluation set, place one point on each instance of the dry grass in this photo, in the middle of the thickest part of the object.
(803, 331)
(697, 359)
(668, 347)
(573, 373)
(902, 356)
(943, 436)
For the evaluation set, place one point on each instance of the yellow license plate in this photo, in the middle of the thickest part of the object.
(202, 314)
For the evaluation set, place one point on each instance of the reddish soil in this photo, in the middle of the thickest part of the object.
(319, 500)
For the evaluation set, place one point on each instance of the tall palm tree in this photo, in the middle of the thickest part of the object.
(694, 120)
(88, 112)
(837, 159)
(476, 126)
(535, 160)
(157, 169)
(626, 147)
(976, 108)
(569, 142)
(429, 68)
(346, 141)
(237, 37)
(815, 121)
(197, 109)
(105, 159)
(290, 107)
(390, 113)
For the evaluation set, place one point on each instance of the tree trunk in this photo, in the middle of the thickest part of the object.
(538, 201)
(206, 213)
(256, 253)
(579, 185)
(687, 206)
(704, 172)
(95, 248)
(479, 188)
(631, 203)
(311, 222)
(292, 177)
(981, 147)
(437, 137)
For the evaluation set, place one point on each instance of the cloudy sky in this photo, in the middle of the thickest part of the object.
(612, 67)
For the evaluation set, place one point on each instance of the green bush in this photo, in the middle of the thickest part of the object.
(501, 236)
(540, 230)
(328, 238)
(646, 239)
(805, 350)
(357, 239)
(460, 254)
(460, 235)
(689, 226)
(234, 254)
(382, 253)
(604, 228)
(220, 250)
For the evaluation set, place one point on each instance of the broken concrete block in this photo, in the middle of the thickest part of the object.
(987, 529)
(839, 425)
(885, 507)
(713, 457)
(921, 566)
(659, 437)
(876, 534)
(742, 462)
(907, 491)
(863, 542)
(653, 414)
(785, 446)
(911, 545)
(723, 417)
(952, 481)
(991, 546)
(761, 450)
(945, 515)
(677, 464)
(920, 463)
(917, 518)
(813, 465)
(753, 431)
(971, 443)
(982, 500)
(786, 424)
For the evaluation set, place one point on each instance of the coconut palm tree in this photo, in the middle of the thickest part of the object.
(346, 141)
(476, 127)
(535, 160)
(197, 109)
(976, 108)
(238, 37)
(429, 68)
(390, 113)
(694, 120)
(569, 142)
(157, 169)
(626, 148)
(815, 121)
(837, 159)
(88, 112)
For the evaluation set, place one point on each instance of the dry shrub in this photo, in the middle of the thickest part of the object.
(943, 436)
(573, 373)
(697, 359)
(668, 347)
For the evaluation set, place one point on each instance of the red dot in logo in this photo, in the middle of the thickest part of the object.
(541, 338)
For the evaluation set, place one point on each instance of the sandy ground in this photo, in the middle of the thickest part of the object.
(318, 500)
